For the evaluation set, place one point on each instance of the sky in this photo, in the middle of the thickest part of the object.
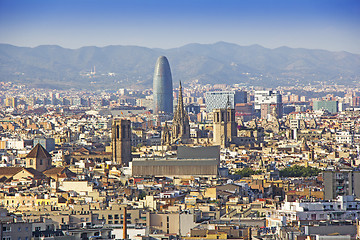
(316, 24)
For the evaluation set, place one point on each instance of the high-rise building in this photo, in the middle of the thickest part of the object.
(121, 141)
(340, 183)
(11, 102)
(331, 106)
(265, 101)
(245, 111)
(219, 99)
(162, 87)
(266, 97)
(47, 143)
(269, 109)
(356, 101)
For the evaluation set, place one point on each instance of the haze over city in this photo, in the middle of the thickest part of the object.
(330, 25)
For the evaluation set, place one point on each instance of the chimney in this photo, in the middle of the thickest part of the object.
(249, 233)
(124, 225)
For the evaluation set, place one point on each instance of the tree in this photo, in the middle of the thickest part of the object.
(299, 171)
(247, 172)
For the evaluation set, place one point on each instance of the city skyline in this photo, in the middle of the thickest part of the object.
(330, 25)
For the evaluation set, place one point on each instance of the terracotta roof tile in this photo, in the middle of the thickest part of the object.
(38, 152)
(9, 171)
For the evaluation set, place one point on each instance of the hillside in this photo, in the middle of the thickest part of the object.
(132, 66)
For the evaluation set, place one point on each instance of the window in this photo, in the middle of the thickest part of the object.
(37, 228)
(6, 229)
(110, 216)
(6, 238)
(41, 162)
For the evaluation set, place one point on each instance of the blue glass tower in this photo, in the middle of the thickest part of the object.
(162, 87)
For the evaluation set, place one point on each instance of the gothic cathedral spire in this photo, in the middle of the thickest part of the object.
(181, 126)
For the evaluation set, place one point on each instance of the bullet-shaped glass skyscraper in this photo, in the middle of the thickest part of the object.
(162, 87)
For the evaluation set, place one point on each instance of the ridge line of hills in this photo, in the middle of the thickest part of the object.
(52, 66)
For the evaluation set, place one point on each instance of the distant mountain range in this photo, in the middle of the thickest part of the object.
(51, 66)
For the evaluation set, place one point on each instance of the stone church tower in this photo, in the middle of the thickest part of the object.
(181, 126)
(38, 158)
(121, 141)
(224, 126)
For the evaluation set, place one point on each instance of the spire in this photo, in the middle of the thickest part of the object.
(228, 103)
(181, 127)
(180, 111)
(180, 105)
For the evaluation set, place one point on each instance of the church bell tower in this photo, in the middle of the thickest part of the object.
(121, 141)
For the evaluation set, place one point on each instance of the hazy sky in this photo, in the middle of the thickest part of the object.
(321, 24)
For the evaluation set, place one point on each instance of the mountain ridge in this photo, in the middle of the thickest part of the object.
(120, 66)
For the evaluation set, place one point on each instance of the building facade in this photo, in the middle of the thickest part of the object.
(341, 208)
(331, 106)
(340, 183)
(266, 97)
(190, 161)
(47, 143)
(219, 99)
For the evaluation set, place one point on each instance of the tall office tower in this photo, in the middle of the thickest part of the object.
(331, 106)
(121, 141)
(162, 87)
(268, 100)
(181, 126)
(340, 183)
(53, 100)
(224, 125)
(219, 99)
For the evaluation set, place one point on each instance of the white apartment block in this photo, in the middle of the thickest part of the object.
(266, 97)
(343, 208)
